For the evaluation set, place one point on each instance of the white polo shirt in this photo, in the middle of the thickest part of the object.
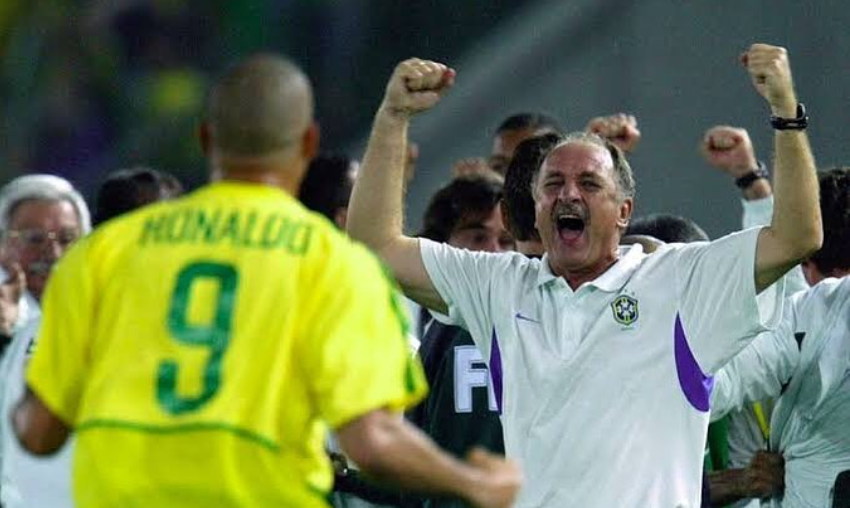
(602, 390)
(27, 481)
(806, 360)
(745, 435)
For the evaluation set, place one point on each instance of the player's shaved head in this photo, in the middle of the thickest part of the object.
(261, 106)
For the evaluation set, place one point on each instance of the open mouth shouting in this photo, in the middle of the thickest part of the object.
(570, 224)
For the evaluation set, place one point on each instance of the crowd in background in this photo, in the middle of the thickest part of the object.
(115, 88)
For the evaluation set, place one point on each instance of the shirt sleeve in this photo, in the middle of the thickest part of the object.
(467, 281)
(358, 358)
(718, 305)
(58, 368)
(758, 212)
(758, 372)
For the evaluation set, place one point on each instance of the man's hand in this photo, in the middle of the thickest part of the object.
(500, 480)
(473, 166)
(416, 85)
(796, 228)
(765, 476)
(620, 129)
(730, 150)
(771, 75)
(10, 295)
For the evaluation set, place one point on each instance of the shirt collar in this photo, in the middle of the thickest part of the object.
(612, 279)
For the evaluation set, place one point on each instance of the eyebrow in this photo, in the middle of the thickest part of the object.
(590, 174)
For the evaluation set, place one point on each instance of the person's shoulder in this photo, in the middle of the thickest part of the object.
(120, 225)
(828, 292)
(512, 261)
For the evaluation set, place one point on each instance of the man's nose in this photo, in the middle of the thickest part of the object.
(570, 192)
(54, 248)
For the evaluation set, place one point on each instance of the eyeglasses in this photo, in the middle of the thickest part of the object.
(37, 238)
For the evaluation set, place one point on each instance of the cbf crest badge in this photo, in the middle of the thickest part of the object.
(625, 310)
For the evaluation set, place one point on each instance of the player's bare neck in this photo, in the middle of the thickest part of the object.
(289, 181)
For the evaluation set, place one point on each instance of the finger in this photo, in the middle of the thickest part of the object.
(16, 282)
(449, 75)
(432, 74)
(424, 100)
(596, 127)
(477, 456)
(630, 131)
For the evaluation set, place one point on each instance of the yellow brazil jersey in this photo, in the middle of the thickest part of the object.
(201, 346)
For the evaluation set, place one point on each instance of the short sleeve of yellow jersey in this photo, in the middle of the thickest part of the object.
(357, 358)
(57, 370)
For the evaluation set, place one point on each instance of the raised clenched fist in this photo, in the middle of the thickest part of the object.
(472, 166)
(416, 85)
(620, 129)
(730, 150)
(770, 72)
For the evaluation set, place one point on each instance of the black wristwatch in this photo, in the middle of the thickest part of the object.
(756, 174)
(791, 124)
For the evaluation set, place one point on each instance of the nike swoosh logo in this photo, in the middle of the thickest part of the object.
(523, 318)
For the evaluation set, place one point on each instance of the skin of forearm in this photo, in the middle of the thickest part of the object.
(759, 189)
(726, 486)
(375, 211)
(37, 430)
(403, 458)
(795, 230)
(796, 217)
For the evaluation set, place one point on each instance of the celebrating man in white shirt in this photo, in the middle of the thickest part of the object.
(600, 357)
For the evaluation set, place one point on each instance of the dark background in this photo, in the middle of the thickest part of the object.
(87, 87)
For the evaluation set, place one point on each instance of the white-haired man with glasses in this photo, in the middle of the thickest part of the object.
(41, 216)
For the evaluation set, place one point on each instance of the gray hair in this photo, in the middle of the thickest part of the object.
(622, 170)
(41, 187)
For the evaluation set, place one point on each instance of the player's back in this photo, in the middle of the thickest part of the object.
(209, 367)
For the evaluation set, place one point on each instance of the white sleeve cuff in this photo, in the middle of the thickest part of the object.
(757, 212)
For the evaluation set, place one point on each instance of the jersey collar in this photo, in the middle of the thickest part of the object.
(612, 280)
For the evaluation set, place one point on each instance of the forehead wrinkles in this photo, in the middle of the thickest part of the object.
(44, 213)
(578, 157)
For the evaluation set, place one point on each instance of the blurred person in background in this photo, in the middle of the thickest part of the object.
(326, 188)
(751, 466)
(667, 228)
(41, 216)
(509, 134)
(517, 203)
(128, 189)
(764, 369)
(461, 411)
(514, 130)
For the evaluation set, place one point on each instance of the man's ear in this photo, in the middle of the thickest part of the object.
(625, 217)
(811, 272)
(503, 210)
(310, 141)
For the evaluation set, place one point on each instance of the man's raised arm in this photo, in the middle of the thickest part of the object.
(795, 231)
(375, 211)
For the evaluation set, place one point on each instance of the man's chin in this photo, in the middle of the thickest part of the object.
(568, 258)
